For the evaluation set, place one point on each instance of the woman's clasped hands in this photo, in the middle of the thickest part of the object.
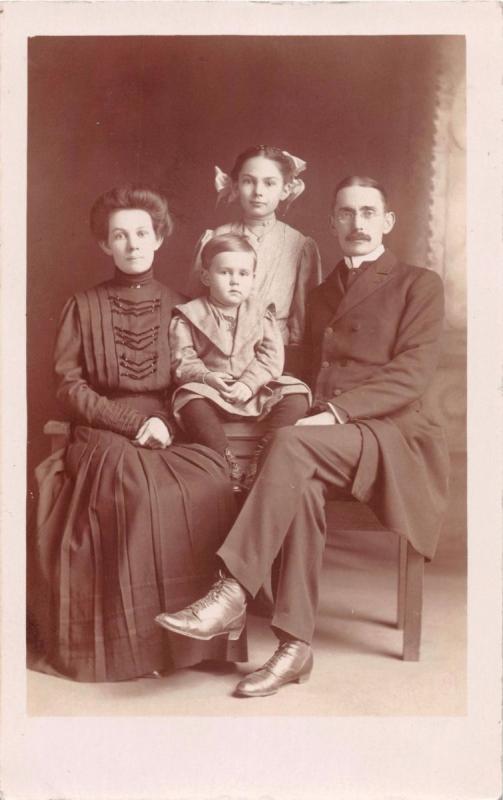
(231, 390)
(154, 434)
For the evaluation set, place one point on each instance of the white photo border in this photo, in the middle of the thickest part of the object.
(290, 757)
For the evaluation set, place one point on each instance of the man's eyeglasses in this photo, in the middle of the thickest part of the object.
(349, 214)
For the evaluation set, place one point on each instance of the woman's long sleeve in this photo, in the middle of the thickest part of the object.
(82, 403)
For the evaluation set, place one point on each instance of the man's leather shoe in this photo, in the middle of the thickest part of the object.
(291, 663)
(222, 612)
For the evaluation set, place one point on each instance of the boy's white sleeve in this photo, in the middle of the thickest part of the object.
(187, 366)
(268, 363)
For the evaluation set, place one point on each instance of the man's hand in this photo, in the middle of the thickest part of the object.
(325, 418)
(153, 434)
(237, 393)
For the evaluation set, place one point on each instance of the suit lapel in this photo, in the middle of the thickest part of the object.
(331, 291)
(377, 274)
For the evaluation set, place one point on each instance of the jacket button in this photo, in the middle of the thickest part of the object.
(325, 364)
(329, 331)
(337, 392)
(356, 326)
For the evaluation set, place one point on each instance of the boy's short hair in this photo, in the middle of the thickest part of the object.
(360, 180)
(134, 196)
(226, 243)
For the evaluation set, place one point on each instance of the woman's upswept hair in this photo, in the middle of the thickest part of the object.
(131, 195)
(361, 180)
(225, 243)
(284, 162)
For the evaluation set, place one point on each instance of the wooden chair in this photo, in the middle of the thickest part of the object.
(243, 437)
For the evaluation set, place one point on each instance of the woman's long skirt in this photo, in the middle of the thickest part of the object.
(122, 534)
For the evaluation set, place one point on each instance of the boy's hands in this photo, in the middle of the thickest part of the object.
(218, 380)
(237, 393)
(230, 390)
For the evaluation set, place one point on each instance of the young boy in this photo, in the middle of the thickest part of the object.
(228, 356)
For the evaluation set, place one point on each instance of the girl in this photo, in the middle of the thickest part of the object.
(128, 521)
(228, 355)
(288, 263)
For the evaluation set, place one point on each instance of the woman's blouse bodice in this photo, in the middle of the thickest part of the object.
(288, 267)
(112, 343)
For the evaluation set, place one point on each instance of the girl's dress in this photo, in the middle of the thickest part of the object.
(288, 267)
(249, 348)
(123, 532)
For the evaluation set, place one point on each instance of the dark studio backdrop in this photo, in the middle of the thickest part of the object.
(105, 110)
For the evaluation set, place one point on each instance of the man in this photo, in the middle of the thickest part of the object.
(372, 343)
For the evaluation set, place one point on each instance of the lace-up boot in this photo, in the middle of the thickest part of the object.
(291, 663)
(222, 612)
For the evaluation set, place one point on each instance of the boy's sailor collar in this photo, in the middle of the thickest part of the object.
(202, 315)
(228, 316)
(355, 262)
(220, 310)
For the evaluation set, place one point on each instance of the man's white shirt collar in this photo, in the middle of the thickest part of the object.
(355, 262)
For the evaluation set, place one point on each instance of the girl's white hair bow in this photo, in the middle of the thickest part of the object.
(297, 185)
(224, 186)
(226, 190)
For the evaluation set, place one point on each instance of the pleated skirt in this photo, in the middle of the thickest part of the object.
(122, 534)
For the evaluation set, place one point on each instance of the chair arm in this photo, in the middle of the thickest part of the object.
(59, 432)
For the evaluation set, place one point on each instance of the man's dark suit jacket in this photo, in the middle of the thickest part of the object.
(372, 351)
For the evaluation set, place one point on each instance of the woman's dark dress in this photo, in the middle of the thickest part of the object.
(123, 532)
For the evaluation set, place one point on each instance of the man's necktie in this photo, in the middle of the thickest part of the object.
(350, 275)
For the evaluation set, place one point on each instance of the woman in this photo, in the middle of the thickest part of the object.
(128, 522)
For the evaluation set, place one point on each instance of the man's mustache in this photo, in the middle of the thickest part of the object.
(357, 237)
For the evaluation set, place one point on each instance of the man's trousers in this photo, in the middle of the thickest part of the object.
(284, 517)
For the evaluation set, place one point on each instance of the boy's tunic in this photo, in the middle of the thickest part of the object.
(253, 354)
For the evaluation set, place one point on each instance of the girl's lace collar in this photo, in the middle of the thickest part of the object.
(258, 230)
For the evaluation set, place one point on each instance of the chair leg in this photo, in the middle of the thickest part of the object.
(413, 604)
(402, 578)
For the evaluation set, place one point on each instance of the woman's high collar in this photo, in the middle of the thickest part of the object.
(138, 280)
